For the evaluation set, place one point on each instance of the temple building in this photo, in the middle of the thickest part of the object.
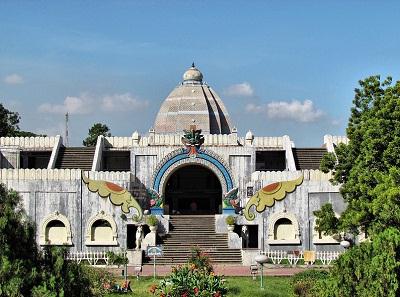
(192, 170)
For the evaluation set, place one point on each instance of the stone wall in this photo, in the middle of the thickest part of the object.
(45, 192)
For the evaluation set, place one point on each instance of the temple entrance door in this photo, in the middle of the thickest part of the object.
(193, 189)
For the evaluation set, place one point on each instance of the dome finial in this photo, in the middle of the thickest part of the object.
(192, 75)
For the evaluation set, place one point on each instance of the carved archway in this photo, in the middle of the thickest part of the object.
(65, 238)
(101, 216)
(193, 189)
(272, 225)
(180, 157)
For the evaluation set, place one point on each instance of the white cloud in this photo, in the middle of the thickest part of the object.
(295, 110)
(122, 102)
(13, 79)
(73, 105)
(240, 90)
(254, 108)
(85, 104)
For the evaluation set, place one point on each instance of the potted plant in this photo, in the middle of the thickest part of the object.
(152, 221)
(230, 221)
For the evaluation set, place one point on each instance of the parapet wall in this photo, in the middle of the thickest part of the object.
(61, 174)
(36, 143)
(312, 175)
(176, 140)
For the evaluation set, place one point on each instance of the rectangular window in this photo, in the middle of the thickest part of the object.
(116, 161)
(34, 160)
(270, 160)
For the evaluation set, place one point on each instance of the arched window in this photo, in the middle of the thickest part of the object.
(101, 230)
(283, 228)
(55, 230)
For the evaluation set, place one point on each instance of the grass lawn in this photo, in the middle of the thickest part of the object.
(237, 286)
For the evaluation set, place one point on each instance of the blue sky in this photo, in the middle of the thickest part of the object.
(281, 67)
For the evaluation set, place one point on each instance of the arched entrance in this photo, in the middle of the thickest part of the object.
(193, 189)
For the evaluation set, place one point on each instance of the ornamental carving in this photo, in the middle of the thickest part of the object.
(192, 139)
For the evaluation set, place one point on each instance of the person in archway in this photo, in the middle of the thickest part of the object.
(193, 206)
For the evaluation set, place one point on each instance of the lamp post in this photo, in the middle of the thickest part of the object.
(345, 244)
(261, 259)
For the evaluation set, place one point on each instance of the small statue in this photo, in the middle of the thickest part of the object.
(245, 236)
(139, 236)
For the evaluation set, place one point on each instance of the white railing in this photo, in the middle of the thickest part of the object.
(277, 256)
(92, 258)
(327, 257)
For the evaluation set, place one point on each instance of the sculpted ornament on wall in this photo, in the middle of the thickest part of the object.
(192, 139)
(117, 195)
(267, 196)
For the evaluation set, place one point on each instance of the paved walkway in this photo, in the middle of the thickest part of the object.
(228, 270)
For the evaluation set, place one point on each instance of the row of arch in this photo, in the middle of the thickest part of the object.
(283, 228)
(101, 229)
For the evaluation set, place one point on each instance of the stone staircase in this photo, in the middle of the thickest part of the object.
(187, 232)
(308, 158)
(75, 158)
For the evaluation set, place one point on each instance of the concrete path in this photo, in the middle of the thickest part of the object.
(228, 270)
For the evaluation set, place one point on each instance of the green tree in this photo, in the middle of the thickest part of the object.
(18, 252)
(9, 121)
(95, 131)
(25, 271)
(368, 169)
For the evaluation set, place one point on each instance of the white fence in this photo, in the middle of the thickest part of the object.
(277, 256)
(93, 258)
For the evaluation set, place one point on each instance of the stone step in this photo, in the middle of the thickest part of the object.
(75, 158)
(189, 231)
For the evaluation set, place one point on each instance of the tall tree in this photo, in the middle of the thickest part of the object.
(95, 131)
(368, 169)
(9, 121)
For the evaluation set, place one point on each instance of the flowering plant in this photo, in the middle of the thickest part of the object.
(196, 278)
(188, 281)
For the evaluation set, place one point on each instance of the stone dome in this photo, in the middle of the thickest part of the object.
(192, 75)
(193, 103)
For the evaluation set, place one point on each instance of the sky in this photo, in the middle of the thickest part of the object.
(280, 67)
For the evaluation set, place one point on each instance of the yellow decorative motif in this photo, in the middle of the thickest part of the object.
(266, 196)
(117, 195)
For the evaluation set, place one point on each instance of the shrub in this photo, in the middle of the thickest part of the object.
(369, 269)
(152, 220)
(200, 260)
(230, 220)
(67, 278)
(196, 278)
(305, 283)
(116, 259)
(189, 281)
